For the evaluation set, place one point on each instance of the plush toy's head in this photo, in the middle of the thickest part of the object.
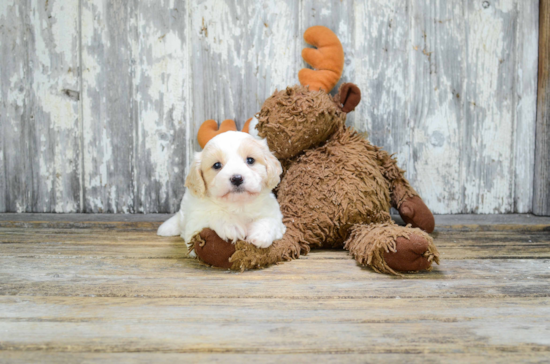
(302, 117)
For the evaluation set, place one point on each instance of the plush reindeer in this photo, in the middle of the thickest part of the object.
(337, 188)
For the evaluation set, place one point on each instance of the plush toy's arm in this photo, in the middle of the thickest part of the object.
(400, 189)
(403, 197)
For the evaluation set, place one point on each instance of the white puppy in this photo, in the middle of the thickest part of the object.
(229, 191)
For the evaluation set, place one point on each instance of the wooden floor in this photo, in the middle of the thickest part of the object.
(87, 288)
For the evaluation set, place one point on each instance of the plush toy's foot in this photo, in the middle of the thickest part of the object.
(213, 250)
(415, 212)
(389, 248)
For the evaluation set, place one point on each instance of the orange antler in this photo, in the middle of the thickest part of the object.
(327, 59)
(209, 129)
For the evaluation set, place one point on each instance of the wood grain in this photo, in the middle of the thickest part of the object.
(108, 116)
(319, 278)
(53, 48)
(435, 114)
(102, 100)
(273, 326)
(338, 16)
(241, 52)
(440, 220)
(488, 120)
(161, 103)
(114, 241)
(16, 150)
(541, 186)
(107, 288)
(381, 42)
(527, 44)
(410, 356)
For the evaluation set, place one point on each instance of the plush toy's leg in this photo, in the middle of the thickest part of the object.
(213, 250)
(403, 197)
(247, 256)
(389, 248)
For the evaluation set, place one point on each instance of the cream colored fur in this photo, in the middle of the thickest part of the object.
(247, 212)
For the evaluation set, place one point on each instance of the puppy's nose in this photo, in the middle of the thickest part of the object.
(236, 180)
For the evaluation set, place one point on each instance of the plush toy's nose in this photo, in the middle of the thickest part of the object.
(236, 180)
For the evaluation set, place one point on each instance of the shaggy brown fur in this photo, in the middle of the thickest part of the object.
(370, 244)
(248, 256)
(399, 187)
(297, 119)
(335, 181)
(214, 251)
(337, 189)
(329, 189)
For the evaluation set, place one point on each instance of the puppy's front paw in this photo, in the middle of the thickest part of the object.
(260, 238)
(231, 232)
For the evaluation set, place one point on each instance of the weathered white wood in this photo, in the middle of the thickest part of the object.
(459, 158)
(105, 120)
(241, 52)
(541, 196)
(525, 96)
(160, 99)
(436, 78)
(338, 16)
(15, 169)
(109, 289)
(108, 116)
(82, 275)
(487, 145)
(274, 326)
(411, 355)
(154, 220)
(121, 241)
(381, 42)
(54, 140)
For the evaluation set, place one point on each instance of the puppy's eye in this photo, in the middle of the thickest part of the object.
(217, 165)
(250, 160)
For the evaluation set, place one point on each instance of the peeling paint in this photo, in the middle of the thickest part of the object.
(449, 87)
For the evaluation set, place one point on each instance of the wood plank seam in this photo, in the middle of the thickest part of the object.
(541, 196)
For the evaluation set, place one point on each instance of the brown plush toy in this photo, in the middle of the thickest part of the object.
(337, 188)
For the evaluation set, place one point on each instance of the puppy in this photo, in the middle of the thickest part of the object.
(229, 191)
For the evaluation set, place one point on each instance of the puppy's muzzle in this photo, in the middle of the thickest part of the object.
(236, 180)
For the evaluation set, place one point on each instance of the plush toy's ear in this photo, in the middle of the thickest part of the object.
(209, 129)
(194, 181)
(348, 97)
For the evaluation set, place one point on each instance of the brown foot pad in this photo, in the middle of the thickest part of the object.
(213, 250)
(415, 212)
(412, 254)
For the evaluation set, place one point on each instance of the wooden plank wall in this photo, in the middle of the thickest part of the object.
(101, 100)
(541, 198)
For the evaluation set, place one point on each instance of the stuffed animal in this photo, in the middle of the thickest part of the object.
(337, 189)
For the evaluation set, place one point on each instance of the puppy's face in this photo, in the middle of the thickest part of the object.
(233, 167)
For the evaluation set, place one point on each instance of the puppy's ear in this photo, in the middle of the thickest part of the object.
(195, 181)
(272, 165)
